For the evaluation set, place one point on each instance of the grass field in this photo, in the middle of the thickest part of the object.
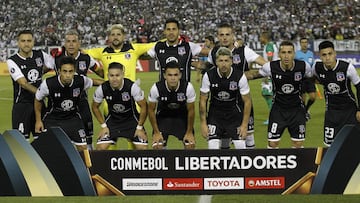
(313, 139)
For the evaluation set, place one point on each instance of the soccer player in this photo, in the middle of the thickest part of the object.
(342, 107)
(270, 53)
(120, 51)
(242, 57)
(84, 63)
(308, 86)
(288, 109)
(26, 69)
(172, 108)
(225, 117)
(123, 119)
(63, 92)
(177, 49)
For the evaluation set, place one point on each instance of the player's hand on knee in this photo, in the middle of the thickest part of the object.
(104, 132)
(158, 141)
(189, 141)
(141, 134)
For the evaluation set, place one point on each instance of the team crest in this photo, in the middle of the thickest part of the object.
(233, 85)
(39, 62)
(127, 55)
(236, 59)
(181, 51)
(125, 96)
(76, 92)
(181, 96)
(297, 76)
(340, 76)
(82, 65)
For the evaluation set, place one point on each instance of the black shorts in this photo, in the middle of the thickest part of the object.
(121, 130)
(23, 119)
(335, 120)
(172, 126)
(73, 127)
(291, 118)
(308, 86)
(224, 124)
(86, 116)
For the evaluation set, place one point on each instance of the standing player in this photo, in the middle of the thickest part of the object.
(288, 109)
(242, 57)
(270, 53)
(84, 63)
(225, 118)
(175, 49)
(120, 51)
(308, 85)
(172, 108)
(26, 69)
(63, 92)
(123, 119)
(336, 76)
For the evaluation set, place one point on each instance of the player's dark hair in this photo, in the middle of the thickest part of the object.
(326, 44)
(224, 25)
(25, 32)
(172, 20)
(172, 64)
(67, 60)
(303, 38)
(116, 65)
(286, 43)
(210, 38)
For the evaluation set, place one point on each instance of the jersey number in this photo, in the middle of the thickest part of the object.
(212, 129)
(329, 132)
(21, 127)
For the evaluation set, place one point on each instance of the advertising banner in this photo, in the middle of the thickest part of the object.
(259, 171)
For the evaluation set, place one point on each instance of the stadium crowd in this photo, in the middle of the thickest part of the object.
(286, 19)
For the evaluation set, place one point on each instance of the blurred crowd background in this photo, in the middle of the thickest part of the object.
(144, 19)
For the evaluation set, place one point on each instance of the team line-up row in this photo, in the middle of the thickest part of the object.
(225, 104)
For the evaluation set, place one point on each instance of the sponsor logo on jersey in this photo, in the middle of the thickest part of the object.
(228, 183)
(183, 184)
(265, 183)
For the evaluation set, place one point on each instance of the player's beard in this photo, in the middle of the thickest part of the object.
(117, 44)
